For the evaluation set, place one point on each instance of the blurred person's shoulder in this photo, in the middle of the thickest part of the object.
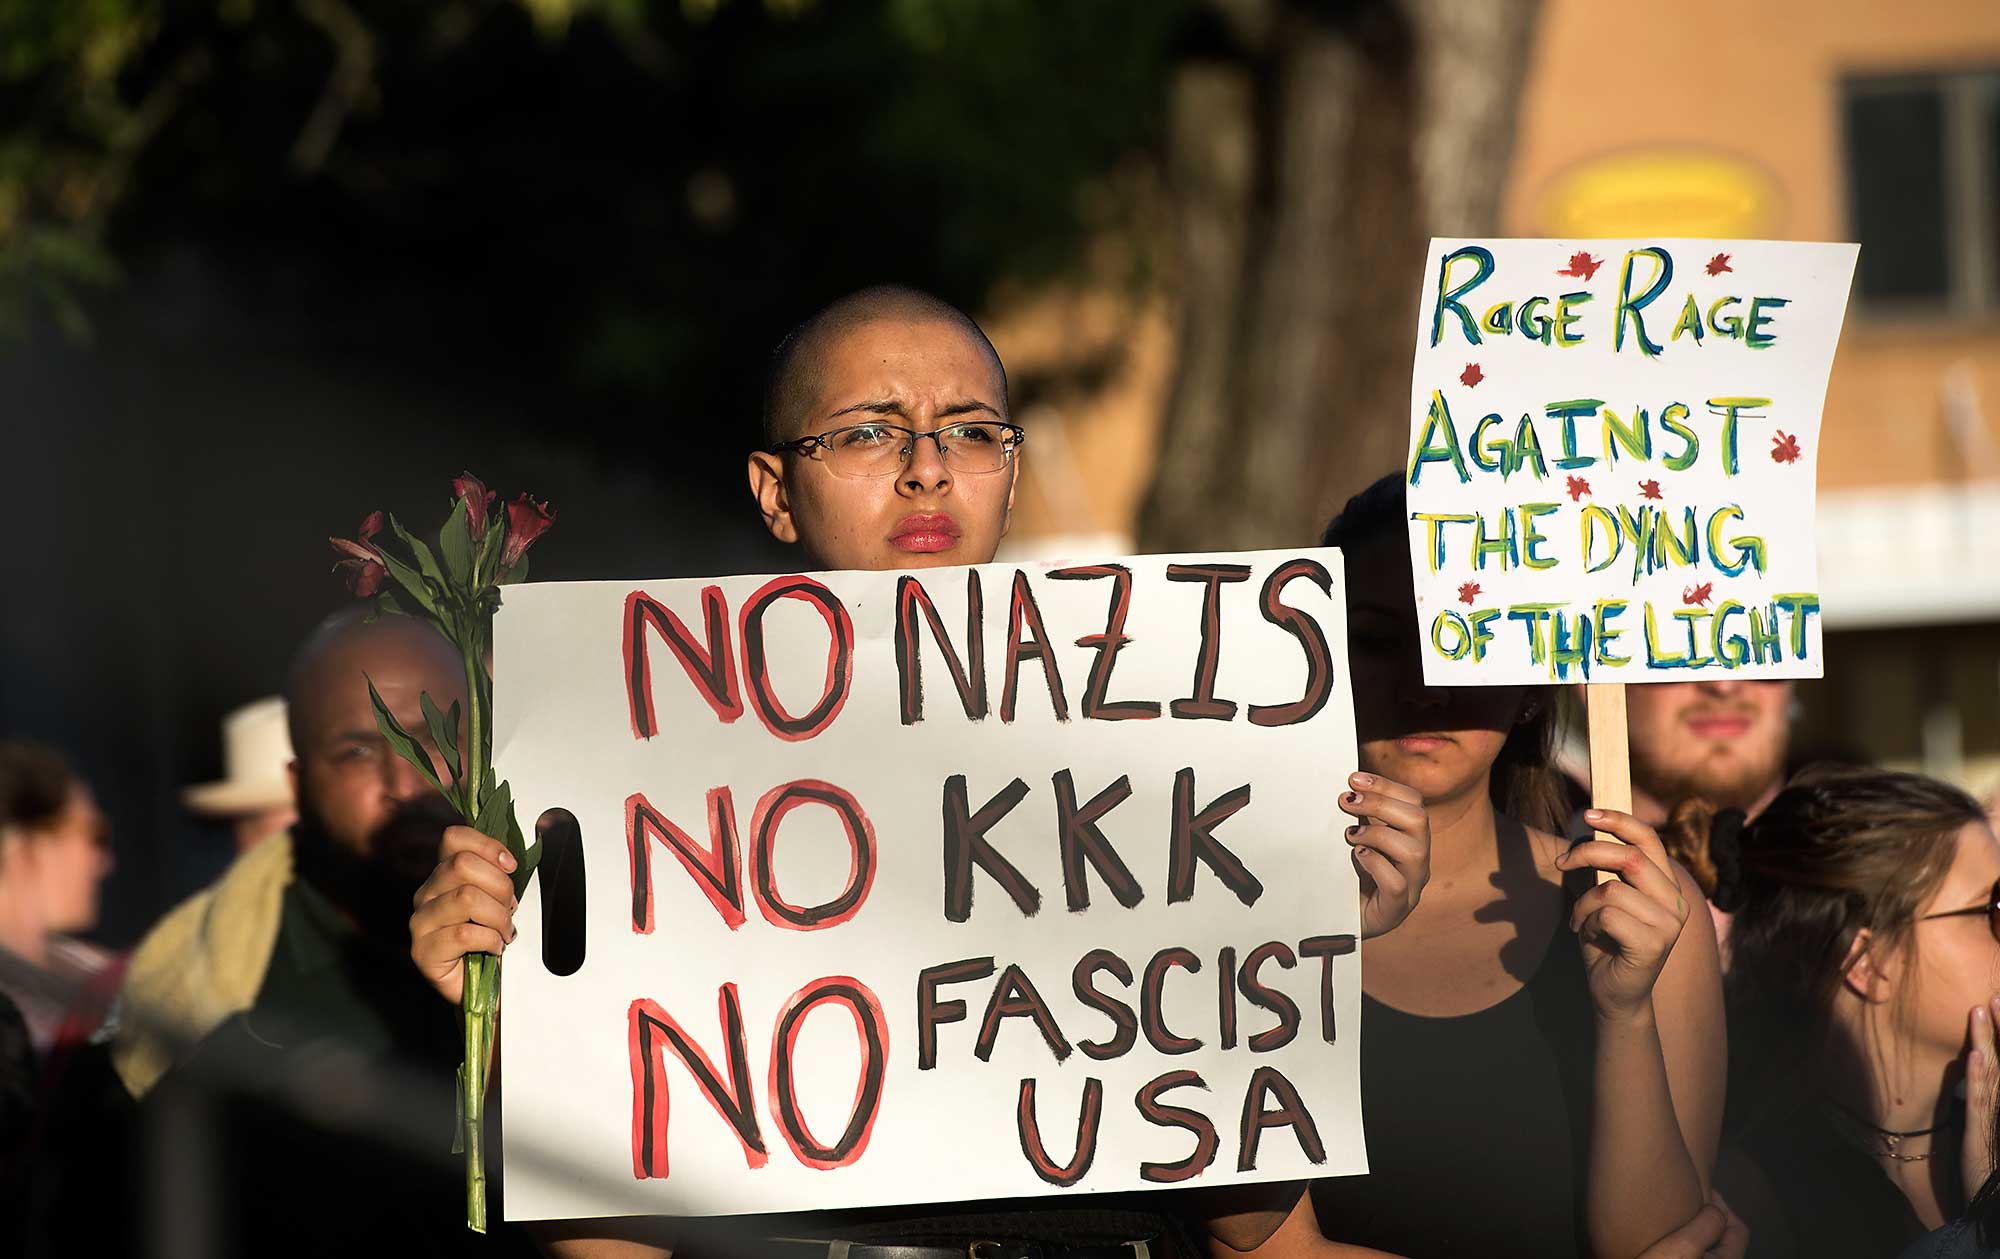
(201, 963)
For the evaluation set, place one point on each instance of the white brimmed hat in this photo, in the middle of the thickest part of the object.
(256, 750)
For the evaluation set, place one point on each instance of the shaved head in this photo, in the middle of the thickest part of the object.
(344, 647)
(795, 371)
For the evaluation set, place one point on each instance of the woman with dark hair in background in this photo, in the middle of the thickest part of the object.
(53, 855)
(1864, 955)
(52, 858)
(1542, 1057)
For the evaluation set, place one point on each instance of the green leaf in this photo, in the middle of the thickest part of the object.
(386, 605)
(400, 743)
(455, 545)
(496, 814)
(425, 560)
(444, 732)
(525, 871)
(526, 856)
(411, 581)
(517, 573)
(458, 1124)
(490, 548)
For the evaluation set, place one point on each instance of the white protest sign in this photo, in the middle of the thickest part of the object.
(1612, 447)
(953, 884)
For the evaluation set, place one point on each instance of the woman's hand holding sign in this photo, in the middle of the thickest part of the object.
(1392, 849)
(466, 906)
(1627, 926)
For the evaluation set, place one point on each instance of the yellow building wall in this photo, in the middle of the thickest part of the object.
(1755, 87)
(1734, 108)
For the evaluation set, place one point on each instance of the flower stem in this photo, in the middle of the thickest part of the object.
(482, 974)
(475, 727)
(481, 971)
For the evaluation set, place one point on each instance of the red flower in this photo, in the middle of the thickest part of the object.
(1649, 489)
(1785, 448)
(478, 500)
(526, 521)
(1718, 264)
(1577, 488)
(1694, 596)
(1471, 376)
(361, 564)
(1468, 591)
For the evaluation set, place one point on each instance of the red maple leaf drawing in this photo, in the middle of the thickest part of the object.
(1718, 264)
(1471, 375)
(1467, 591)
(1583, 265)
(1578, 487)
(1785, 448)
(1698, 595)
(1649, 489)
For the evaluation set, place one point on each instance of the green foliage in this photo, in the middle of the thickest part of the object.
(455, 545)
(444, 733)
(663, 184)
(400, 742)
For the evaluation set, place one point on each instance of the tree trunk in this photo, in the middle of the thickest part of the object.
(1308, 168)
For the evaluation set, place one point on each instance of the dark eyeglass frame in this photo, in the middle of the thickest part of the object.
(1991, 909)
(1011, 438)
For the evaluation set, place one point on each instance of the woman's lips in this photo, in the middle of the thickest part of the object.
(924, 533)
(1417, 744)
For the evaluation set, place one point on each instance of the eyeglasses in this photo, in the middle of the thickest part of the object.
(1991, 909)
(877, 450)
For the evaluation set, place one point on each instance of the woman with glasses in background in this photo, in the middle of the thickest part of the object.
(1865, 956)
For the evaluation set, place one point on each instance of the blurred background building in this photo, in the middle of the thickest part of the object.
(265, 266)
(1851, 120)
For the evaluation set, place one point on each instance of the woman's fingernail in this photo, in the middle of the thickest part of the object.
(1352, 831)
(507, 861)
(1352, 797)
(1593, 814)
(1362, 780)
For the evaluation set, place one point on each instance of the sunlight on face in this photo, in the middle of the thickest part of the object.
(1722, 740)
(917, 375)
(1957, 958)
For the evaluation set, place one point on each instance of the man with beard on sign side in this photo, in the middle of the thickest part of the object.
(291, 972)
(1699, 747)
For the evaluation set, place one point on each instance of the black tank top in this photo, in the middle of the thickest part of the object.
(1477, 1125)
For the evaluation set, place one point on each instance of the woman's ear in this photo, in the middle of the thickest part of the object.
(1864, 974)
(767, 486)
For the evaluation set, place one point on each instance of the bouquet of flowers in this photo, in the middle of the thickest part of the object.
(457, 588)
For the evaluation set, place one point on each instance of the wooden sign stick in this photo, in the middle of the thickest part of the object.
(1610, 754)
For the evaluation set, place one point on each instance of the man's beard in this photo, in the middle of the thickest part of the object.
(1735, 781)
(375, 889)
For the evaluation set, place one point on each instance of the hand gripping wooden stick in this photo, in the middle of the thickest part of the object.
(1610, 754)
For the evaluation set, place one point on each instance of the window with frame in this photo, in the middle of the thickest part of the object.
(1923, 191)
